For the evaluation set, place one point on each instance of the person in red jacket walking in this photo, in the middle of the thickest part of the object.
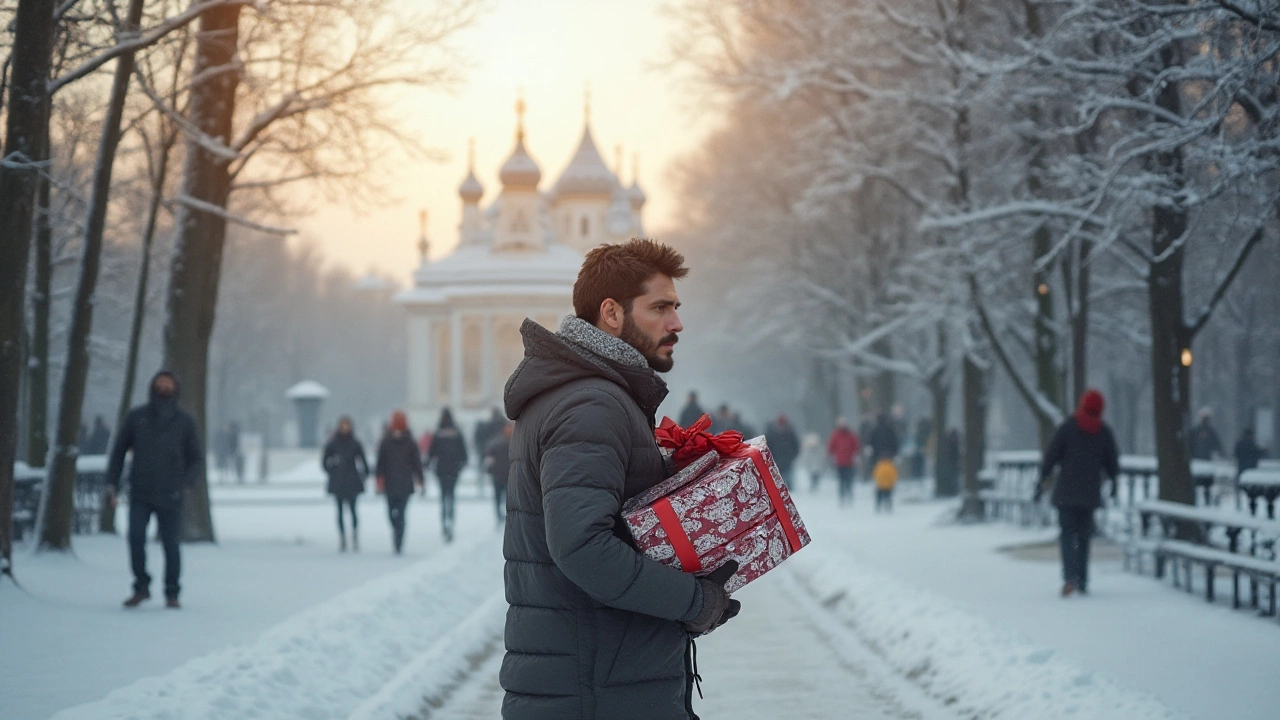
(843, 446)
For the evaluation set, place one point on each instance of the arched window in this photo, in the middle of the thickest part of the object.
(586, 226)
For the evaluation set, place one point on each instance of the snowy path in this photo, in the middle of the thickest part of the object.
(782, 657)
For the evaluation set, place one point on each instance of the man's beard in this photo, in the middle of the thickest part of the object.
(647, 346)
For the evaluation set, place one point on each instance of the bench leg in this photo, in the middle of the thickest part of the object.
(1208, 581)
(1235, 589)
(1253, 592)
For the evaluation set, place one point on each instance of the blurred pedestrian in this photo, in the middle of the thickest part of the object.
(885, 475)
(167, 461)
(884, 441)
(784, 443)
(813, 459)
(399, 468)
(233, 451)
(842, 447)
(1247, 451)
(723, 419)
(99, 437)
(448, 455)
(1083, 449)
(497, 459)
(691, 411)
(1205, 443)
(344, 461)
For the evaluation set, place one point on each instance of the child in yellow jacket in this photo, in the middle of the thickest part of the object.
(885, 475)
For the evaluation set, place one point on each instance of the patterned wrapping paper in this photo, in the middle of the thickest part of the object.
(727, 513)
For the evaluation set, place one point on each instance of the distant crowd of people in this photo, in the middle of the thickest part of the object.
(401, 465)
(876, 449)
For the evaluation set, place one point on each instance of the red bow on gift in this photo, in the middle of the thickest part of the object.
(693, 442)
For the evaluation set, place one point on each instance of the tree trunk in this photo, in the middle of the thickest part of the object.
(1080, 325)
(38, 361)
(59, 516)
(25, 143)
(975, 380)
(1170, 336)
(940, 391)
(1048, 374)
(197, 259)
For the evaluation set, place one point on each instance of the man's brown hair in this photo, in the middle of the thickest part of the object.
(620, 271)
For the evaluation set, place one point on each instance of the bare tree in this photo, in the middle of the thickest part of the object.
(25, 148)
(310, 74)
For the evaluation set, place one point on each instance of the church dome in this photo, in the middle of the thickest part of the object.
(471, 190)
(586, 174)
(636, 196)
(520, 171)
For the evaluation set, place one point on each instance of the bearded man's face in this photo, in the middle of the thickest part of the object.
(652, 325)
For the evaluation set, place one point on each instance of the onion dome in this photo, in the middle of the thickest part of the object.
(520, 171)
(586, 174)
(471, 190)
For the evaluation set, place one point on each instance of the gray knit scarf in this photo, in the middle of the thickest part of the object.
(583, 334)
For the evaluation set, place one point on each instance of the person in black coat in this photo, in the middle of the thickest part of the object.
(784, 443)
(167, 460)
(1247, 452)
(448, 454)
(99, 437)
(1082, 449)
(497, 458)
(884, 441)
(595, 628)
(343, 459)
(691, 411)
(399, 468)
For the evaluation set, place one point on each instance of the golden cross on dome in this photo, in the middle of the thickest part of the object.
(586, 102)
(471, 155)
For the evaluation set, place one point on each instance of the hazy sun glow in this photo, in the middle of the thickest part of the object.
(550, 50)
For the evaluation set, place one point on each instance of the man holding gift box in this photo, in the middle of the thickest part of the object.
(595, 629)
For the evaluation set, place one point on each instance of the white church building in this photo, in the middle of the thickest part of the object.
(517, 257)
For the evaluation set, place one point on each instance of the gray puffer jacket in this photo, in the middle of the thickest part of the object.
(592, 628)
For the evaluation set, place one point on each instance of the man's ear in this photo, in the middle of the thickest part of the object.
(612, 315)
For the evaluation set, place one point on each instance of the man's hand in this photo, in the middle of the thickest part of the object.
(111, 496)
(717, 607)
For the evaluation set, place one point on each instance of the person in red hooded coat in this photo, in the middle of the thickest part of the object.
(1083, 449)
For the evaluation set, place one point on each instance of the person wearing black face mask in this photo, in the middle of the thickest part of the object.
(167, 460)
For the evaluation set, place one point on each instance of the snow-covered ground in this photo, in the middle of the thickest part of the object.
(894, 616)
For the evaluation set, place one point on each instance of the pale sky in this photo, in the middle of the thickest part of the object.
(550, 49)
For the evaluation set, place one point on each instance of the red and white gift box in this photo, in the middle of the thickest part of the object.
(729, 502)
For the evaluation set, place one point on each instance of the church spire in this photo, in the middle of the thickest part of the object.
(423, 245)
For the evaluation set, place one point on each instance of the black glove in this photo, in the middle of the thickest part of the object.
(717, 607)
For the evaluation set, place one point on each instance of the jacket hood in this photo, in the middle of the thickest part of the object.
(551, 361)
(177, 386)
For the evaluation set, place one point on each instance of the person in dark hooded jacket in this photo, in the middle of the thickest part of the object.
(343, 460)
(1082, 449)
(448, 454)
(399, 468)
(167, 460)
(595, 629)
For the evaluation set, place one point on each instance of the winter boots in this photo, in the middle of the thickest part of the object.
(355, 541)
(172, 603)
(342, 543)
(138, 597)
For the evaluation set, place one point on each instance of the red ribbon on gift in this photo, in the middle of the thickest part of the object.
(693, 442)
(689, 560)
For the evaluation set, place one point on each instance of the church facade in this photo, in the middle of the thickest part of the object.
(517, 257)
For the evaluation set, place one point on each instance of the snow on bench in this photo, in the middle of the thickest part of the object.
(1258, 569)
(1260, 476)
(1210, 516)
